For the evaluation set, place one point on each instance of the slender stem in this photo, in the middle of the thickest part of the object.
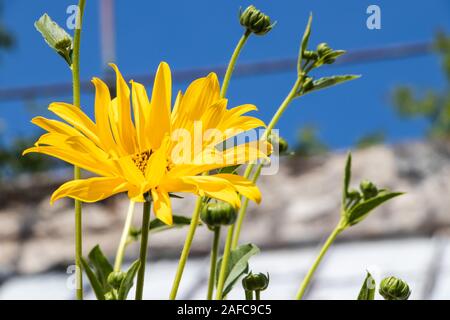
(186, 248)
(232, 63)
(77, 172)
(257, 295)
(276, 117)
(224, 264)
(124, 238)
(212, 268)
(196, 214)
(143, 250)
(243, 210)
(248, 295)
(316, 263)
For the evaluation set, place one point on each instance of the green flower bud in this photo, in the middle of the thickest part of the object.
(308, 84)
(368, 189)
(110, 296)
(392, 288)
(323, 49)
(283, 145)
(115, 279)
(353, 198)
(255, 21)
(310, 55)
(255, 282)
(216, 214)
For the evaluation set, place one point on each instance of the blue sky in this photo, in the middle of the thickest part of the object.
(203, 33)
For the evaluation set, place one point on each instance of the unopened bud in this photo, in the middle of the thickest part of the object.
(392, 288)
(115, 279)
(216, 214)
(255, 282)
(368, 189)
(283, 145)
(255, 21)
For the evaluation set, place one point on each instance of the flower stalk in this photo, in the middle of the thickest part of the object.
(124, 238)
(304, 285)
(77, 172)
(213, 263)
(143, 249)
(198, 206)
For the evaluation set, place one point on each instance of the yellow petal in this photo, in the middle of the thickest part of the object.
(74, 116)
(141, 109)
(125, 127)
(216, 188)
(243, 186)
(159, 117)
(161, 206)
(82, 161)
(55, 126)
(102, 104)
(90, 190)
(157, 166)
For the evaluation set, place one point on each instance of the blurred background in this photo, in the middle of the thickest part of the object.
(395, 118)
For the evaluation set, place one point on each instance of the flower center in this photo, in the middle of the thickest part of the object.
(141, 160)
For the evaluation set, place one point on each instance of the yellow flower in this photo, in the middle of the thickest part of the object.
(135, 147)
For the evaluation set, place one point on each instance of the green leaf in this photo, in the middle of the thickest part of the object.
(347, 177)
(237, 265)
(361, 210)
(101, 265)
(367, 291)
(304, 44)
(95, 283)
(127, 282)
(157, 225)
(55, 36)
(230, 169)
(327, 82)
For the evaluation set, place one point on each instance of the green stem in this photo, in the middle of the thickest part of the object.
(124, 238)
(224, 264)
(243, 210)
(316, 263)
(77, 172)
(257, 295)
(212, 268)
(143, 250)
(186, 248)
(232, 63)
(276, 117)
(198, 206)
(248, 295)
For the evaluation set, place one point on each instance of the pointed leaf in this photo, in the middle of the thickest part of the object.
(157, 225)
(101, 265)
(361, 210)
(347, 177)
(237, 265)
(230, 169)
(367, 291)
(127, 282)
(95, 283)
(304, 44)
(327, 82)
